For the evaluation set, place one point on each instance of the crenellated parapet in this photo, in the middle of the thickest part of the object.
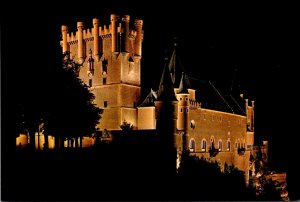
(194, 104)
(118, 34)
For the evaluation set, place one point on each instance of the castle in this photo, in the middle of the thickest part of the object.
(111, 66)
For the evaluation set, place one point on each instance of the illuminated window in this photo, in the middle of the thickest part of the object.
(90, 82)
(192, 145)
(220, 145)
(104, 77)
(203, 145)
(228, 145)
(105, 104)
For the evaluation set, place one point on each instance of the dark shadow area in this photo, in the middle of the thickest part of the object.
(116, 172)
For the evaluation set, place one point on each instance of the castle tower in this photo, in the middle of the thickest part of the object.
(111, 68)
(64, 31)
(166, 106)
(166, 109)
(183, 110)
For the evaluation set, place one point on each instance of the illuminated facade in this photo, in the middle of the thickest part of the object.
(110, 58)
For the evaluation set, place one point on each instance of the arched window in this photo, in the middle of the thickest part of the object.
(203, 145)
(228, 145)
(220, 145)
(192, 145)
(212, 140)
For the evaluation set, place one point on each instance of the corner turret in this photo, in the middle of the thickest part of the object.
(183, 110)
(81, 57)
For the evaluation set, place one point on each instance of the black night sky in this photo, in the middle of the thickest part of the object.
(257, 40)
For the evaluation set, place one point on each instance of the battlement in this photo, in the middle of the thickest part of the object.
(194, 104)
(105, 30)
(118, 35)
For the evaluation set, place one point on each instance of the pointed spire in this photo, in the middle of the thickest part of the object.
(172, 65)
(175, 65)
(183, 87)
(166, 89)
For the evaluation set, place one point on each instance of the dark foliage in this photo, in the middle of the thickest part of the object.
(206, 181)
(71, 112)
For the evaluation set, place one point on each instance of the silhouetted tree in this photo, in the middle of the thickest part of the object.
(206, 181)
(28, 119)
(72, 113)
(265, 187)
(126, 127)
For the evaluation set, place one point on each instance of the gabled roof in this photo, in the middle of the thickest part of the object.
(149, 100)
(211, 97)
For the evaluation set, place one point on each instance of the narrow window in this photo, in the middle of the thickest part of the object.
(105, 104)
(212, 141)
(104, 76)
(220, 145)
(228, 145)
(90, 82)
(104, 65)
(203, 145)
(192, 145)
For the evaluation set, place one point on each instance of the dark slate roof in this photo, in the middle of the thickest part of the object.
(183, 87)
(166, 89)
(211, 97)
(175, 67)
(149, 100)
